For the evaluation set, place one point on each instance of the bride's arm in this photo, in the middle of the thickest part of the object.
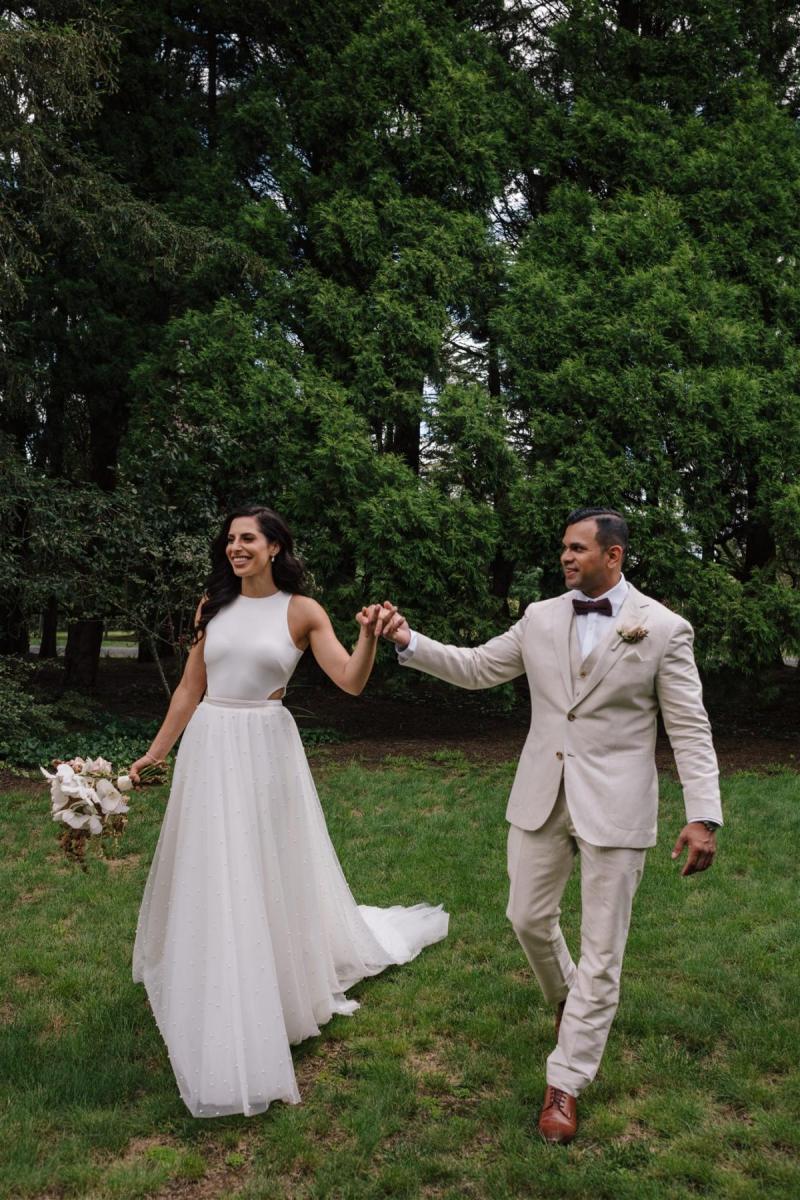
(310, 625)
(185, 699)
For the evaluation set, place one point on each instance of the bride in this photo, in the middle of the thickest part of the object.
(248, 934)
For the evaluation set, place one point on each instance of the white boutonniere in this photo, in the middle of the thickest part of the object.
(632, 633)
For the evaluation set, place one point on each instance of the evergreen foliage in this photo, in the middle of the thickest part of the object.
(424, 276)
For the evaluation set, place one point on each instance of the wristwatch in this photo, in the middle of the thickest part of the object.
(711, 826)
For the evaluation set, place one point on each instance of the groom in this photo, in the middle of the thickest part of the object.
(601, 661)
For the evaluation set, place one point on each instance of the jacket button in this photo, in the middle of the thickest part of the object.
(559, 754)
(570, 716)
(583, 674)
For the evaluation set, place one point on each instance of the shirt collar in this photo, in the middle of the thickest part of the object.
(616, 595)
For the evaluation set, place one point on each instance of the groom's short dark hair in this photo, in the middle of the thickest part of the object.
(612, 528)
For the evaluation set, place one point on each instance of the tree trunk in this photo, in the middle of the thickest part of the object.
(14, 637)
(406, 443)
(502, 570)
(165, 642)
(48, 647)
(629, 15)
(759, 548)
(107, 419)
(155, 658)
(493, 380)
(144, 653)
(82, 654)
(212, 88)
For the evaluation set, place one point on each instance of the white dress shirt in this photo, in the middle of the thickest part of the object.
(593, 628)
(405, 655)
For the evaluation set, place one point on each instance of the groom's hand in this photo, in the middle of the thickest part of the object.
(702, 846)
(393, 625)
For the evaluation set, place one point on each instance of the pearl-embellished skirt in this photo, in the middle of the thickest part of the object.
(248, 934)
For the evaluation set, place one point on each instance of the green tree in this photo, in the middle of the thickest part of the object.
(421, 275)
(650, 333)
(230, 410)
(379, 132)
(109, 122)
(370, 144)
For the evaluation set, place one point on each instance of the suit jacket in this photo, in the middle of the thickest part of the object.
(593, 723)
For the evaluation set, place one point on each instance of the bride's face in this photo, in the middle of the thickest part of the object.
(248, 551)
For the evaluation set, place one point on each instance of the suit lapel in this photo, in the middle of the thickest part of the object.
(633, 612)
(561, 632)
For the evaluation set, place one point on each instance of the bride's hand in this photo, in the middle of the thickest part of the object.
(368, 619)
(146, 760)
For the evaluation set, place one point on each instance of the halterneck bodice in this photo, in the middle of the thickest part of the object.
(248, 650)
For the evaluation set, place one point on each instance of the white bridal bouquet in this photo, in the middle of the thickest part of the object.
(88, 800)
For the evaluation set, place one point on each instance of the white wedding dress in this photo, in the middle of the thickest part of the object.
(248, 934)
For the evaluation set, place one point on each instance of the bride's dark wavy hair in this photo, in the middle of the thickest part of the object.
(222, 585)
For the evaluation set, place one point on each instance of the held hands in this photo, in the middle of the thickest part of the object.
(369, 619)
(393, 625)
(383, 620)
(702, 846)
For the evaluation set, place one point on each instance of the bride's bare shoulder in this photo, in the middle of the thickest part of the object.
(306, 614)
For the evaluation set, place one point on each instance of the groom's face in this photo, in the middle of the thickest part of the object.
(588, 567)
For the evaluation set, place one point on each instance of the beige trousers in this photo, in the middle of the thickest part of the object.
(539, 865)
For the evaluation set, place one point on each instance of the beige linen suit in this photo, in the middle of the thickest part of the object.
(586, 783)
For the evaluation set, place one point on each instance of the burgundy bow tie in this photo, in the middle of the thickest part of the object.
(589, 606)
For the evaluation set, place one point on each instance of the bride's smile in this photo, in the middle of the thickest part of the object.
(247, 550)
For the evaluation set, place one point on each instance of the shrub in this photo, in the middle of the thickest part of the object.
(24, 719)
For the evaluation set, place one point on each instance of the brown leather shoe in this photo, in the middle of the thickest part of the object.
(559, 1015)
(558, 1120)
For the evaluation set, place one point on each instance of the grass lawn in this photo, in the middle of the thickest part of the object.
(432, 1088)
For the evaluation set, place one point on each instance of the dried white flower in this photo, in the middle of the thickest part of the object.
(632, 633)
